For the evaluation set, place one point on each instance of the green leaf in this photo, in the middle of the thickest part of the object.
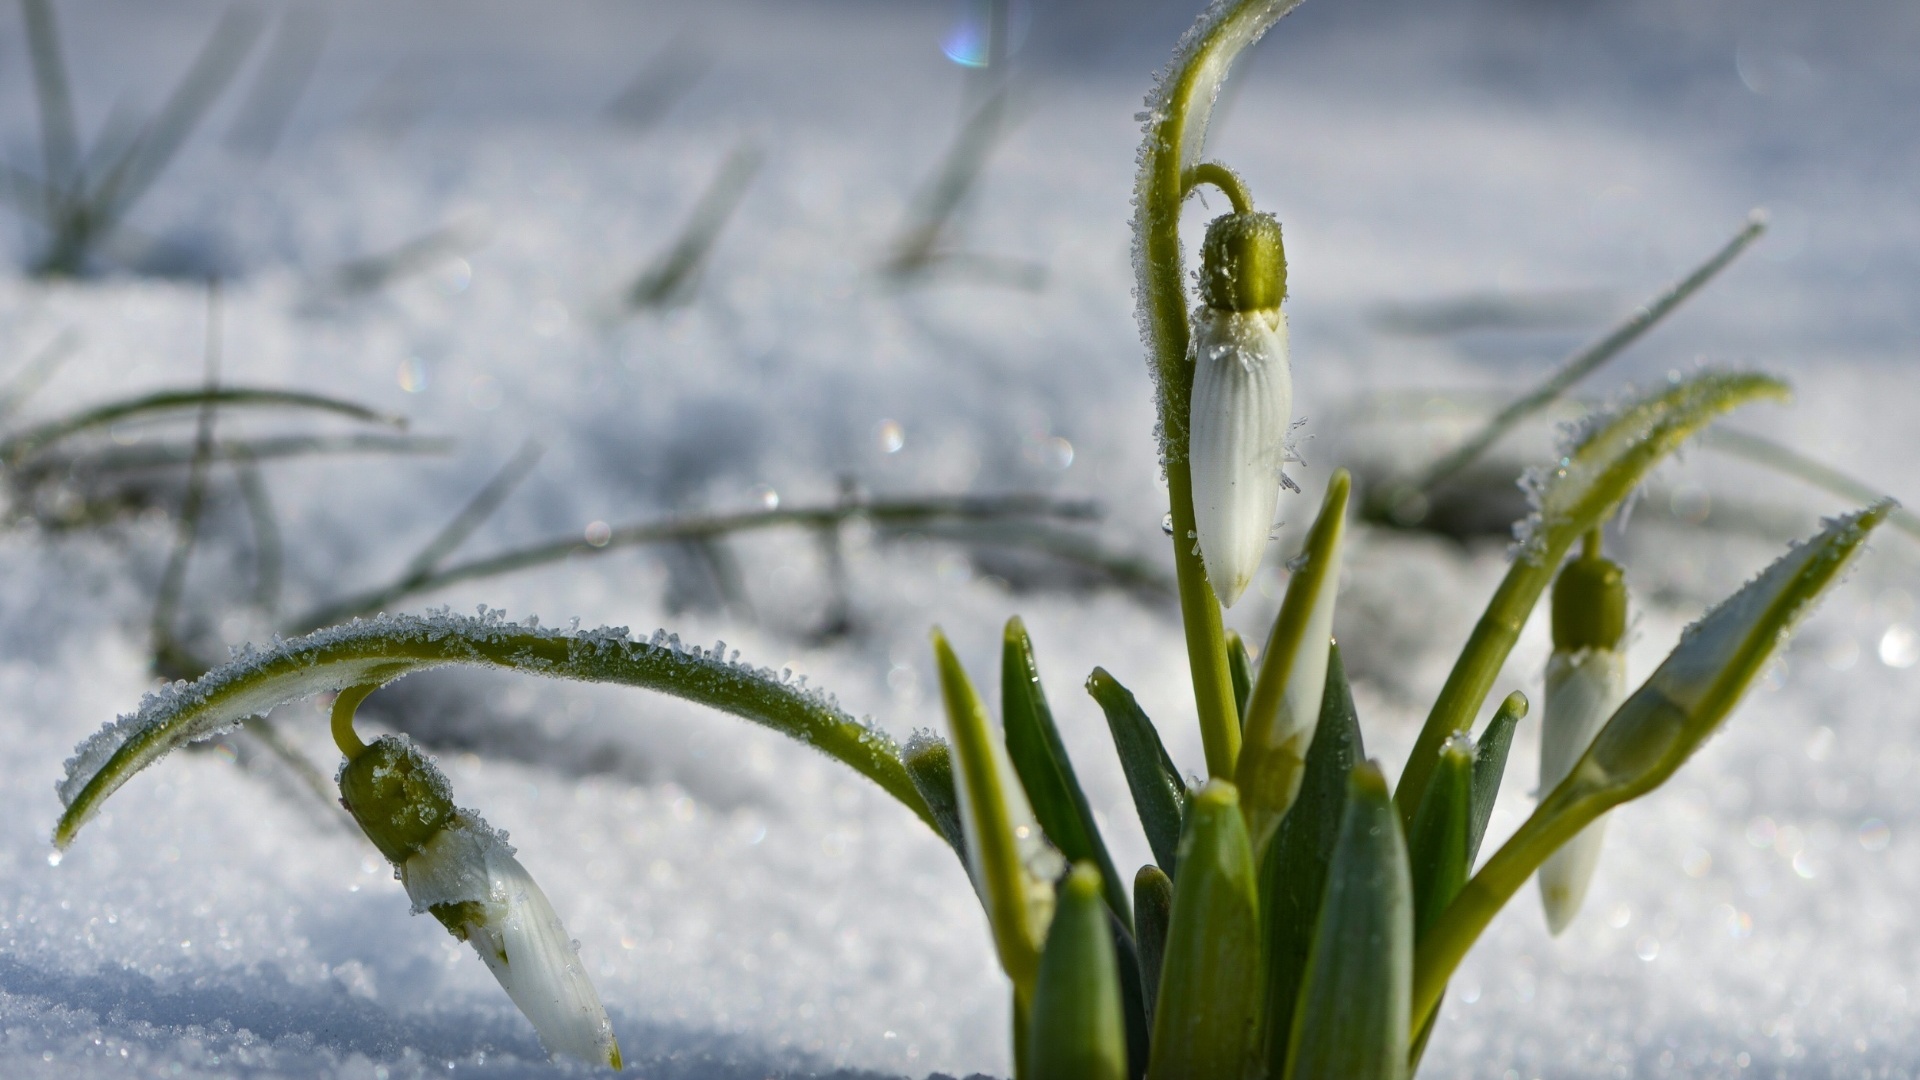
(1437, 848)
(378, 651)
(1033, 743)
(929, 763)
(1605, 464)
(1653, 733)
(16, 447)
(1240, 668)
(1204, 1017)
(1489, 766)
(1159, 795)
(1077, 1030)
(1294, 872)
(991, 809)
(1133, 999)
(1351, 1023)
(1152, 907)
(1285, 706)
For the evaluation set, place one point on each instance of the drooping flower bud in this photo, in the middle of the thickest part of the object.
(1586, 682)
(1242, 400)
(463, 873)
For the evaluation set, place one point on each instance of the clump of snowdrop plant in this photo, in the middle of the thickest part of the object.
(1301, 917)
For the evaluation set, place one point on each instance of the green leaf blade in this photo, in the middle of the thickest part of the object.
(1077, 1029)
(1040, 757)
(1206, 1012)
(1352, 1020)
(1490, 767)
(1159, 795)
(1294, 872)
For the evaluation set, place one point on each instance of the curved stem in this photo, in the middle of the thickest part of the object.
(1228, 181)
(344, 706)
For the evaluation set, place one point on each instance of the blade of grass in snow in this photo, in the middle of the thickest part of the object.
(672, 277)
(284, 74)
(16, 447)
(378, 651)
(666, 79)
(925, 243)
(1403, 503)
(168, 658)
(271, 448)
(894, 512)
(371, 273)
(471, 516)
(53, 96)
(268, 552)
(36, 371)
(1791, 462)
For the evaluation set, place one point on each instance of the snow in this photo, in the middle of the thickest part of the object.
(745, 906)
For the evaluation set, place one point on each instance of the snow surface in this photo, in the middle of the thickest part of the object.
(748, 908)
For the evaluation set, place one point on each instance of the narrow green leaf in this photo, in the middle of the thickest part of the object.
(1077, 1029)
(16, 447)
(1285, 705)
(1210, 978)
(1033, 743)
(1159, 795)
(1152, 907)
(989, 814)
(1351, 1023)
(1489, 766)
(381, 650)
(929, 763)
(1437, 848)
(1606, 463)
(1650, 736)
(1133, 999)
(1240, 668)
(1294, 872)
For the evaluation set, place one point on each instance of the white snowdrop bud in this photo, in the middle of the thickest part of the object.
(463, 873)
(1242, 400)
(1586, 682)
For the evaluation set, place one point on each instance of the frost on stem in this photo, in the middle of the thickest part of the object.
(377, 651)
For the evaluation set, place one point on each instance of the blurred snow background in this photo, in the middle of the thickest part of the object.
(1470, 191)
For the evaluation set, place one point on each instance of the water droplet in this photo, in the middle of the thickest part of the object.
(890, 435)
(54, 857)
(599, 533)
(1899, 646)
(1166, 523)
(1647, 948)
(766, 496)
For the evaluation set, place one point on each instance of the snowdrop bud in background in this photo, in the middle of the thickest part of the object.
(1586, 682)
(1242, 398)
(464, 874)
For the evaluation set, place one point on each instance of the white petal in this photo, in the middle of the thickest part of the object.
(518, 935)
(1583, 690)
(1237, 440)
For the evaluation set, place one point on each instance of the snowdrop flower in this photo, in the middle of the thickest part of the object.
(1586, 682)
(463, 873)
(1242, 397)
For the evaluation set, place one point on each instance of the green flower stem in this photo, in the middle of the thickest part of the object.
(1228, 181)
(1650, 736)
(1611, 460)
(1180, 111)
(377, 652)
(345, 705)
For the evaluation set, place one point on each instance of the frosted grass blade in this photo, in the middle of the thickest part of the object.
(1605, 462)
(1351, 1023)
(1650, 736)
(1038, 755)
(1077, 1031)
(1208, 1005)
(1293, 876)
(1159, 794)
(379, 651)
